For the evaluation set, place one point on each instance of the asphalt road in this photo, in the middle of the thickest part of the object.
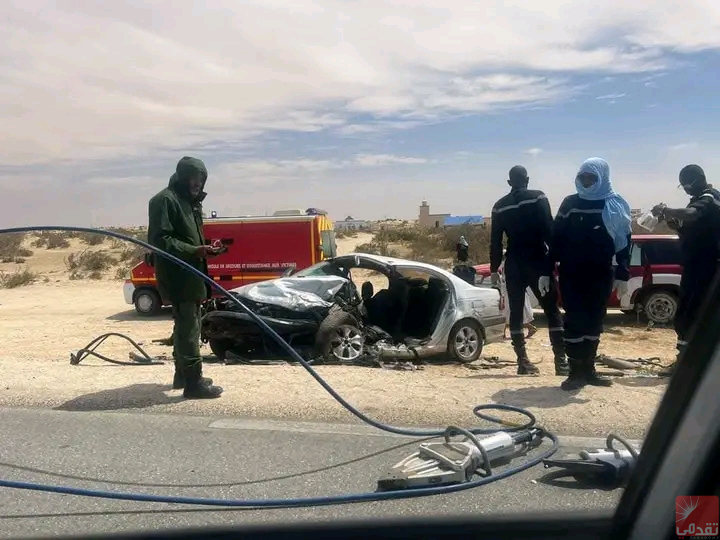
(226, 458)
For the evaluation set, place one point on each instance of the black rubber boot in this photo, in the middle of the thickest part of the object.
(591, 376)
(576, 376)
(194, 387)
(562, 367)
(179, 379)
(524, 365)
(558, 346)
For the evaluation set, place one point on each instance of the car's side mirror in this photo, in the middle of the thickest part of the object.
(288, 272)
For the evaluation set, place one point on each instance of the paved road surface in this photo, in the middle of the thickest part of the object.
(224, 458)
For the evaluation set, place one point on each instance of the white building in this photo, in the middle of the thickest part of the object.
(352, 224)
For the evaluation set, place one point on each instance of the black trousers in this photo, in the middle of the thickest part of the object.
(519, 275)
(585, 296)
(695, 285)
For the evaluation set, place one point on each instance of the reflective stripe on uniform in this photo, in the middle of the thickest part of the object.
(580, 211)
(516, 206)
(581, 339)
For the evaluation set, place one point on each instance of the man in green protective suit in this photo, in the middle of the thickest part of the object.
(176, 226)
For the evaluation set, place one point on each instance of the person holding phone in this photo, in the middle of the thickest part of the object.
(176, 226)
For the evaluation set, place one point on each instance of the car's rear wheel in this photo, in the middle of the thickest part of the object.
(465, 342)
(660, 307)
(339, 338)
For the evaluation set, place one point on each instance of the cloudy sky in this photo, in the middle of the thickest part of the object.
(361, 108)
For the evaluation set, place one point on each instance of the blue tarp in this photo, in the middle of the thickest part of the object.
(464, 220)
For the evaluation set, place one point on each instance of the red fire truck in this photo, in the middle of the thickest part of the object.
(259, 249)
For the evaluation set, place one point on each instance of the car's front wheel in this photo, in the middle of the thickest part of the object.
(220, 347)
(660, 307)
(339, 338)
(465, 342)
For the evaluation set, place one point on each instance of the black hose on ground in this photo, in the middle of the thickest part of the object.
(143, 359)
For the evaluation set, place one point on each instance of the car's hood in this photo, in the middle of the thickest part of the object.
(297, 294)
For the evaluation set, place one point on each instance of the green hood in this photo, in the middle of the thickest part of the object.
(186, 168)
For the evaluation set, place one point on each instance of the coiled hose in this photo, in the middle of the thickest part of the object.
(308, 501)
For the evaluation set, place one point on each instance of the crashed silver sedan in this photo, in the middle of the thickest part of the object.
(425, 311)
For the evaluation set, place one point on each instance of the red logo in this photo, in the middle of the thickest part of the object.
(697, 517)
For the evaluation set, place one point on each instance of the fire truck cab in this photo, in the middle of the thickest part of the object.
(259, 248)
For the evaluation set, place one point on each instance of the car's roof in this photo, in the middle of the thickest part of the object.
(395, 261)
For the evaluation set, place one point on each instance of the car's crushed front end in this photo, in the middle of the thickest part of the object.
(320, 311)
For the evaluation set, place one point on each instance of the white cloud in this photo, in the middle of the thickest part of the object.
(683, 146)
(611, 97)
(129, 181)
(257, 171)
(534, 152)
(92, 79)
(375, 160)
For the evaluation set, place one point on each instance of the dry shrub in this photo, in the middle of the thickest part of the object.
(52, 240)
(90, 264)
(91, 239)
(19, 278)
(122, 273)
(11, 247)
(434, 246)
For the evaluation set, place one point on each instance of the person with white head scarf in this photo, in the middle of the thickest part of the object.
(592, 227)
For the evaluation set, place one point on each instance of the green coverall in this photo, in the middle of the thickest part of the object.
(176, 226)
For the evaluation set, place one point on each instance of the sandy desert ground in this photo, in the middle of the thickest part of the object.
(43, 323)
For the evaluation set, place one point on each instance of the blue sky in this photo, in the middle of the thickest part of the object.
(362, 110)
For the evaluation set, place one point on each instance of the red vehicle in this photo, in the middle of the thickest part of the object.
(654, 285)
(259, 249)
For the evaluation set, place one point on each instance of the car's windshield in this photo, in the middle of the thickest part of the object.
(324, 268)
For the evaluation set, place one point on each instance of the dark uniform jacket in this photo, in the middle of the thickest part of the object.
(699, 237)
(581, 241)
(525, 218)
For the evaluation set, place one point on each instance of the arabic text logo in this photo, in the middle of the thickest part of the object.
(697, 517)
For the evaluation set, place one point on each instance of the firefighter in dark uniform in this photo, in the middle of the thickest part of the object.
(524, 217)
(698, 228)
(590, 228)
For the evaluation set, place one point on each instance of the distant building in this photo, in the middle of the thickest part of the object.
(352, 224)
(431, 221)
(454, 221)
(436, 221)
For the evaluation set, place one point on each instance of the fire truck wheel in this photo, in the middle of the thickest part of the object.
(339, 339)
(147, 302)
(661, 306)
